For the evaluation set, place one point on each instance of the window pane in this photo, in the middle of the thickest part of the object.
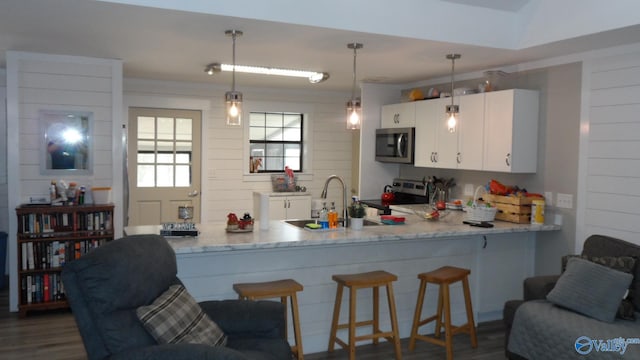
(183, 129)
(292, 162)
(256, 133)
(165, 128)
(275, 150)
(146, 176)
(257, 119)
(274, 120)
(165, 175)
(184, 146)
(293, 120)
(146, 158)
(274, 163)
(274, 134)
(292, 134)
(183, 176)
(257, 150)
(146, 146)
(146, 127)
(183, 158)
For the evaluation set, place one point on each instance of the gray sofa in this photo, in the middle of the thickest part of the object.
(536, 328)
(105, 287)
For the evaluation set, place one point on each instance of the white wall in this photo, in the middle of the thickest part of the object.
(227, 185)
(55, 82)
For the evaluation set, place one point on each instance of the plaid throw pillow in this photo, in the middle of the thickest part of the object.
(175, 317)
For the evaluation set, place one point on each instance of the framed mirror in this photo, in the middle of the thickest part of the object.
(66, 147)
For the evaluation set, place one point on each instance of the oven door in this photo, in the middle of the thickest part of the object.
(395, 145)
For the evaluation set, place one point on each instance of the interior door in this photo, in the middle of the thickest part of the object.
(163, 164)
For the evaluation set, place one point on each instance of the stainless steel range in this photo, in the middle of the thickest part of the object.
(405, 191)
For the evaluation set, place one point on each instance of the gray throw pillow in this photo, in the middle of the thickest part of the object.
(175, 317)
(590, 289)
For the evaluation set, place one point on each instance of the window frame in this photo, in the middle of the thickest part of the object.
(266, 142)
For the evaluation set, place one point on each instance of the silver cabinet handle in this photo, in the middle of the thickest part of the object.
(435, 156)
(507, 159)
(459, 158)
(284, 203)
(288, 204)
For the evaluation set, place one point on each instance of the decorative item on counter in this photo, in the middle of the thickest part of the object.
(254, 164)
(387, 195)
(478, 212)
(246, 223)
(332, 215)
(179, 229)
(235, 225)
(357, 210)
(416, 94)
(537, 212)
(324, 216)
(101, 195)
(232, 221)
(185, 213)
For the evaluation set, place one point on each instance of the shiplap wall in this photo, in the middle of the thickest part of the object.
(226, 184)
(610, 153)
(56, 82)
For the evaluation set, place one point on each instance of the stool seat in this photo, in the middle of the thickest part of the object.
(373, 280)
(443, 277)
(267, 289)
(272, 289)
(367, 279)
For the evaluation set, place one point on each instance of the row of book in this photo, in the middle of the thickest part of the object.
(47, 223)
(41, 288)
(42, 255)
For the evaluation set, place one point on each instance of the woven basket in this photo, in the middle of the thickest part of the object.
(480, 212)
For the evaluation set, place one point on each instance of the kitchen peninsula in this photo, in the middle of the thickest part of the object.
(499, 259)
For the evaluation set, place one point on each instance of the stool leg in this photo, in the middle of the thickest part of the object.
(394, 321)
(417, 315)
(283, 300)
(439, 314)
(467, 304)
(376, 312)
(295, 318)
(447, 320)
(352, 322)
(336, 317)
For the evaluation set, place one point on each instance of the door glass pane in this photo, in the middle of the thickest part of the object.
(165, 175)
(146, 158)
(184, 146)
(183, 129)
(165, 128)
(146, 127)
(183, 158)
(165, 152)
(146, 176)
(183, 175)
(146, 146)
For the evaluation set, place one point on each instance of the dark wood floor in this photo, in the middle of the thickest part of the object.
(54, 335)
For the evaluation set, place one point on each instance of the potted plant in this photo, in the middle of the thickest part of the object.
(357, 212)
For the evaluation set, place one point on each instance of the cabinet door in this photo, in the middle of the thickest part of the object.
(426, 147)
(470, 132)
(511, 131)
(398, 115)
(298, 207)
(447, 151)
(277, 208)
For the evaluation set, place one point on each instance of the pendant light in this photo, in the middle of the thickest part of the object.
(452, 110)
(233, 98)
(354, 109)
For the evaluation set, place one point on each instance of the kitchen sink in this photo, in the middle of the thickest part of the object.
(301, 222)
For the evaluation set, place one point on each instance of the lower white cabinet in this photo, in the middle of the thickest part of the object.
(282, 206)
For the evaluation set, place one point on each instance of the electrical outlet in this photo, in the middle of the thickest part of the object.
(548, 197)
(564, 201)
(468, 189)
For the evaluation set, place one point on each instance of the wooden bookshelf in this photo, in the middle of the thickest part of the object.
(48, 238)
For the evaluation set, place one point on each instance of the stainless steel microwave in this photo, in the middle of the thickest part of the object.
(395, 145)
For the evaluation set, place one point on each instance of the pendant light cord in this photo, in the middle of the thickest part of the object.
(233, 74)
(453, 62)
(353, 87)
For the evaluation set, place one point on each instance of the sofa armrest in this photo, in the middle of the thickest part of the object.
(537, 287)
(180, 352)
(245, 318)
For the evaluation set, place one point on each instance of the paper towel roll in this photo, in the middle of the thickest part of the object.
(316, 206)
(264, 212)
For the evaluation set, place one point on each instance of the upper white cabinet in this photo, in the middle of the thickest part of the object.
(438, 147)
(399, 115)
(511, 131)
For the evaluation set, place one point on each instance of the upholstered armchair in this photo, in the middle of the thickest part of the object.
(108, 287)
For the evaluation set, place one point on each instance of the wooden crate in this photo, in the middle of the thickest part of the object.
(513, 209)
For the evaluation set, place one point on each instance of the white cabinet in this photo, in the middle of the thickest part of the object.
(511, 131)
(438, 147)
(282, 206)
(398, 115)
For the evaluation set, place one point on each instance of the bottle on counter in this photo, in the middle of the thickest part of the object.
(332, 215)
(324, 216)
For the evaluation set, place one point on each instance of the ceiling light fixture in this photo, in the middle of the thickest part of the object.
(354, 108)
(452, 110)
(233, 98)
(314, 77)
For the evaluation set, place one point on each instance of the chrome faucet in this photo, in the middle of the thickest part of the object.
(345, 212)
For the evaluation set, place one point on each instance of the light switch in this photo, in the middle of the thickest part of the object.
(564, 201)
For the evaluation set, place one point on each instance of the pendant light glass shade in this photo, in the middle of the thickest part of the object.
(233, 98)
(354, 108)
(452, 110)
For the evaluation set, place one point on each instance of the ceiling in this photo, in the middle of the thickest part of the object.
(404, 44)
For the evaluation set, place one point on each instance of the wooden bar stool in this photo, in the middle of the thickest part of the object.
(272, 289)
(444, 277)
(374, 280)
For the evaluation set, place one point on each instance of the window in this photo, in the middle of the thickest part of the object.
(275, 140)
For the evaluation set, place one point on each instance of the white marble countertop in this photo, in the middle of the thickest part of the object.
(214, 237)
